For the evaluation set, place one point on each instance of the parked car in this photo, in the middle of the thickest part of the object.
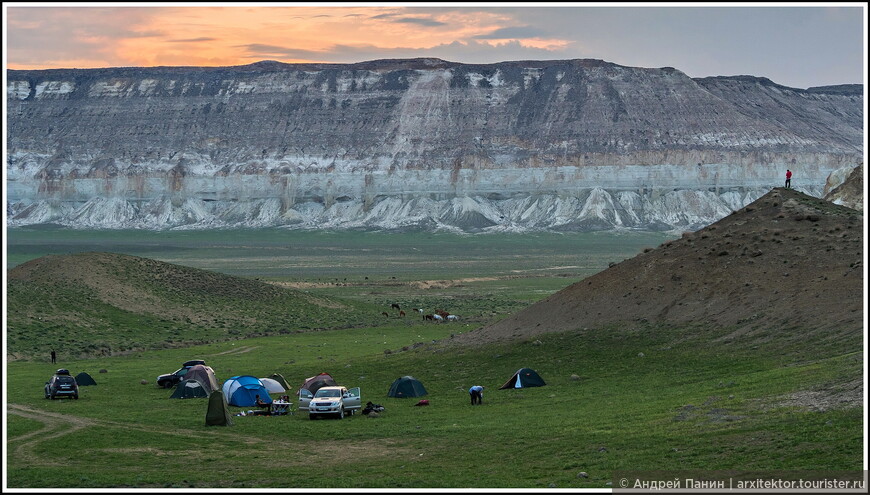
(170, 380)
(61, 385)
(330, 401)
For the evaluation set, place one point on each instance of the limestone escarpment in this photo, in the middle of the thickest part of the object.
(846, 187)
(574, 144)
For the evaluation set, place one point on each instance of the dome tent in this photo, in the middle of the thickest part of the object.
(205, 376)
(189, 389)
(278, 377)
(83, 379)
(406, 386)
(314, 383)
(272, 385)
(524, 377)
(243, 390)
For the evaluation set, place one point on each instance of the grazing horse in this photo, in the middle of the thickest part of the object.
(428, 317)
(438, 317)
(442, 313)
(401, 313)
(386, 314)
(419, 310)
(452, 317)
(395, 306)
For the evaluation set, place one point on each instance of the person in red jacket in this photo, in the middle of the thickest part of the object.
(788, 178)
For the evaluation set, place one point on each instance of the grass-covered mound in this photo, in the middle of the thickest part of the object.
(97, 303)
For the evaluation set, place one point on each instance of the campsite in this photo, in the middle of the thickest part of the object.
(644, 396)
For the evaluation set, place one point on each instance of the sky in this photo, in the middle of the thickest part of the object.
(798, 45)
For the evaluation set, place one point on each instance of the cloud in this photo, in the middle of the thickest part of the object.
(421, 21)
(513, 32)
(192, 40)
(257, 50)
(74, 37)
(794, 46)
(404, 19)
(470, 52)
(474, 52)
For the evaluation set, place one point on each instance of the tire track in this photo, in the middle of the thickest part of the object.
(57, 425)
(240, 350)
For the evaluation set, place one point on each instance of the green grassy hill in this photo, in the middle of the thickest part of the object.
(102, 303)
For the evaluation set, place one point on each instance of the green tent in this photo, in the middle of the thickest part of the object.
(189, 389)
(217, 414)
(280, 379)
(406, 386)
(524, 377)
(85, 379)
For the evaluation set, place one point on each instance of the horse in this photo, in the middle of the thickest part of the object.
(437, 317)
(442, 313)
(386, 314)
(419, 310)
(401, 313)
(428, 317)
(452, 317)
(395, 306)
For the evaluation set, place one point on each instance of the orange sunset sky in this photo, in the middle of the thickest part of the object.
(795, 45)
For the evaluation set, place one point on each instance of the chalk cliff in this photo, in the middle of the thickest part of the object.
(419, 143)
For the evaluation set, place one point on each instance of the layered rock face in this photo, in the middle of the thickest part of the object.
(846, 187)
(421, 143)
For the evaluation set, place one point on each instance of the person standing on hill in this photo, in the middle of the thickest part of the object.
(53, 356)
(476, 393)
(788, 178)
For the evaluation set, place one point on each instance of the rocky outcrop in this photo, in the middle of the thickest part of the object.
(846, 187)
(421, 143)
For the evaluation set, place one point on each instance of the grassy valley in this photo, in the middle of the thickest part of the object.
(640, 395)
(105, 292)
(639, 401)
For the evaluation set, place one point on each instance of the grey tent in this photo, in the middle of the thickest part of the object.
(406, 386)
(272, 385)
(205, 375)
(218, 414)
(85, 379)
(189, 389)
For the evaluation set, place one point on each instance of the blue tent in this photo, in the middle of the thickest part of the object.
(243, 390)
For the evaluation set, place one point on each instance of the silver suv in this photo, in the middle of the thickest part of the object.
(331, 401)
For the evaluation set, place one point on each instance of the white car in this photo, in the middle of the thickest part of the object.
(331, 401)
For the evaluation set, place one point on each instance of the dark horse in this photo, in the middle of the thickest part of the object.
(395, 306)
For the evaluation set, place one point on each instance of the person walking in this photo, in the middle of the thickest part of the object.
(53, 356)
(788, 178)
(476, 393)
